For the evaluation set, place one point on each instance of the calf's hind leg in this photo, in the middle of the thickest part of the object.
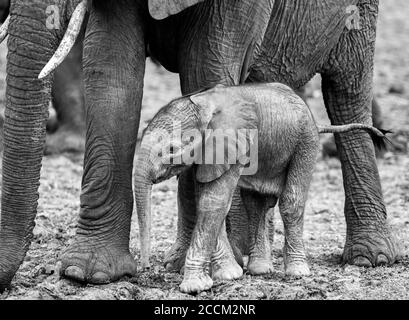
(292, 204)
(257, 207)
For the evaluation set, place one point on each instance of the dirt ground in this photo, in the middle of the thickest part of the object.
(324, 221)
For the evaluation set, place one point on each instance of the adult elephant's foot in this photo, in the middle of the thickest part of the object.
(259, 266)
(100, 263)
(175, 258)
(370, 249)
(65, 140)
(195, 282)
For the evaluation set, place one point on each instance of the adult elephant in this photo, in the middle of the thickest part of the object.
(207, 42)
(68, 120)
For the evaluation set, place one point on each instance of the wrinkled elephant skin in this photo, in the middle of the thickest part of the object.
(208, 43)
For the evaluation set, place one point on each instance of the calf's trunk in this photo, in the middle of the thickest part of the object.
(143, 192)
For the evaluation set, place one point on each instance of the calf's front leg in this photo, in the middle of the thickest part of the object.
(175, 258)
(224, 264)
(213, 204)
(292, 203)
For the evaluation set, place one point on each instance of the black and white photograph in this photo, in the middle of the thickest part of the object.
(204, 150)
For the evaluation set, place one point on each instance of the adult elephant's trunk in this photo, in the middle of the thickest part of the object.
(30, 46)
(143, 190)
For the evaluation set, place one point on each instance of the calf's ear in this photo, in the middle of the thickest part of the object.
(161, 9)
(231, 133)
(224, 149)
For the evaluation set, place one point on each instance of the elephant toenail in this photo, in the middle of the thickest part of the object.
(382, 260)
(361, 261)
(74, 273)
(100, 278)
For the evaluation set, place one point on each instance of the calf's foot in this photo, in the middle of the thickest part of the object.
(226, 270)
(96, 263)
(297, 269)
(259, 266)
(295, 261)
(196, 282)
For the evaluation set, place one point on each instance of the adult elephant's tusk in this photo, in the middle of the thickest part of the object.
(68, 41)
(4, 29)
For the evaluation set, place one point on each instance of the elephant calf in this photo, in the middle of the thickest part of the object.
(266, 143)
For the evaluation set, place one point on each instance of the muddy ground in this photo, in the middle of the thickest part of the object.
(324, 222)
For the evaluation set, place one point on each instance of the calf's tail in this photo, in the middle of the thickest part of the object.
(378, 135)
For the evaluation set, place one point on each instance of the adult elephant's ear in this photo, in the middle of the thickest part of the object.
(231, 135)
(161, 9)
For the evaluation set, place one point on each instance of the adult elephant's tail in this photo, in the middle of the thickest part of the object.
(31, 44)
(378, 135)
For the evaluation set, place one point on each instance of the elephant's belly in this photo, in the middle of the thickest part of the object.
(298, 40)
(262, 184)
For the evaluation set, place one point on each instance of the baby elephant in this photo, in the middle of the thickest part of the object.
(261, 138)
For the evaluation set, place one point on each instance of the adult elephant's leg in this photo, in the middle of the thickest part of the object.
(329, 148)
(114, 63)
(218, 42)
(347, 88)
